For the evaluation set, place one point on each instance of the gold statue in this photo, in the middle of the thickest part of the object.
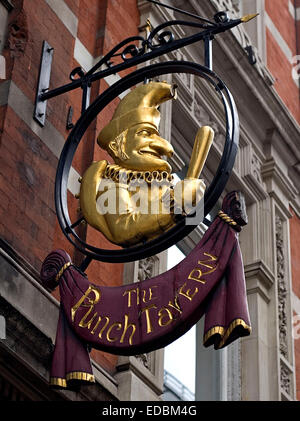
(134, 199)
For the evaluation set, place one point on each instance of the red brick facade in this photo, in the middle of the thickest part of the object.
(278, 63)
(27, 166)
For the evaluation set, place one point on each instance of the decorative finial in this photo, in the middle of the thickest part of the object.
(249, 17)
(149, 25)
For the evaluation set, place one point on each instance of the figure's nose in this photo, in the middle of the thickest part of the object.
(162, 146)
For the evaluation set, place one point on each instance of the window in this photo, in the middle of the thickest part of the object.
(180, 356)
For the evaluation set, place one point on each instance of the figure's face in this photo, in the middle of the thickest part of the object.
(239, 211)
(145, 149)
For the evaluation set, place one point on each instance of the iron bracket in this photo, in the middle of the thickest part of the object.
(43, 84)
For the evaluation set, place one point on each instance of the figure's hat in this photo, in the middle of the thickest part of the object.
(138, 106)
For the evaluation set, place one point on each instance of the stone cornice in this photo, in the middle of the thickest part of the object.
(270, 170)
(260, 270)
(133, 364)
(259, 279)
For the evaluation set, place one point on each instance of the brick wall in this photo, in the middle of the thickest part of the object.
(27, 163)
(282, 40)
(295, 263)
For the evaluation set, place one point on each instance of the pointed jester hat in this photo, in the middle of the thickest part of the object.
(139, 106)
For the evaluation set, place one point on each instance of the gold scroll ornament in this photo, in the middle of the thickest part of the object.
(140, 155)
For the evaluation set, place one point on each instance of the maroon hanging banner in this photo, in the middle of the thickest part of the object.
(148, 315)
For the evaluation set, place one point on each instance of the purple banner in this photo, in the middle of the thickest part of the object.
(148, 315)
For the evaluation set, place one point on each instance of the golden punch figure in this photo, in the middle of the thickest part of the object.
(134, 199)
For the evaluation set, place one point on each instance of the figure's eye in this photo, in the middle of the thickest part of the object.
(144, 133)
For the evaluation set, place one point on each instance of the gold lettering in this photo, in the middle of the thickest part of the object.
(196, 273)
(97, 324)
(161, 315)
(86, 296)
(197, 277)
(150, 294)
(83, 323)
(126, 327)
(175, 304)
(187, 294)
(129, 291)
(146, 295)
(148, 320)
(104, 327)
(204, 263)
(118, 326)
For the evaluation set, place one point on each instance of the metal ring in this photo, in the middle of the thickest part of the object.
(213, 192)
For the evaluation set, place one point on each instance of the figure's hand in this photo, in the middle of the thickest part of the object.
(187, 194)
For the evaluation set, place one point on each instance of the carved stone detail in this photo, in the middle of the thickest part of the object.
(147, 268)
(144, 359)
(281, 288)
(251, 171)
(285, 378)
(236, 5)
(231, 6)
(256, 168)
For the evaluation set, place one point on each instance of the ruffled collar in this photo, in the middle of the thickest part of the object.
(123, 175)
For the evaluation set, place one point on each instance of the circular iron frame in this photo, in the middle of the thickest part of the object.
(213, 192)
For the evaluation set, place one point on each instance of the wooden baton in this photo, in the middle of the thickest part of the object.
(203, 142)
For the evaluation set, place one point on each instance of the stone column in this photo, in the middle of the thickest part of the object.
(267, 354)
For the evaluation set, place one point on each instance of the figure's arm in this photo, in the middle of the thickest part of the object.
(191, 189)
